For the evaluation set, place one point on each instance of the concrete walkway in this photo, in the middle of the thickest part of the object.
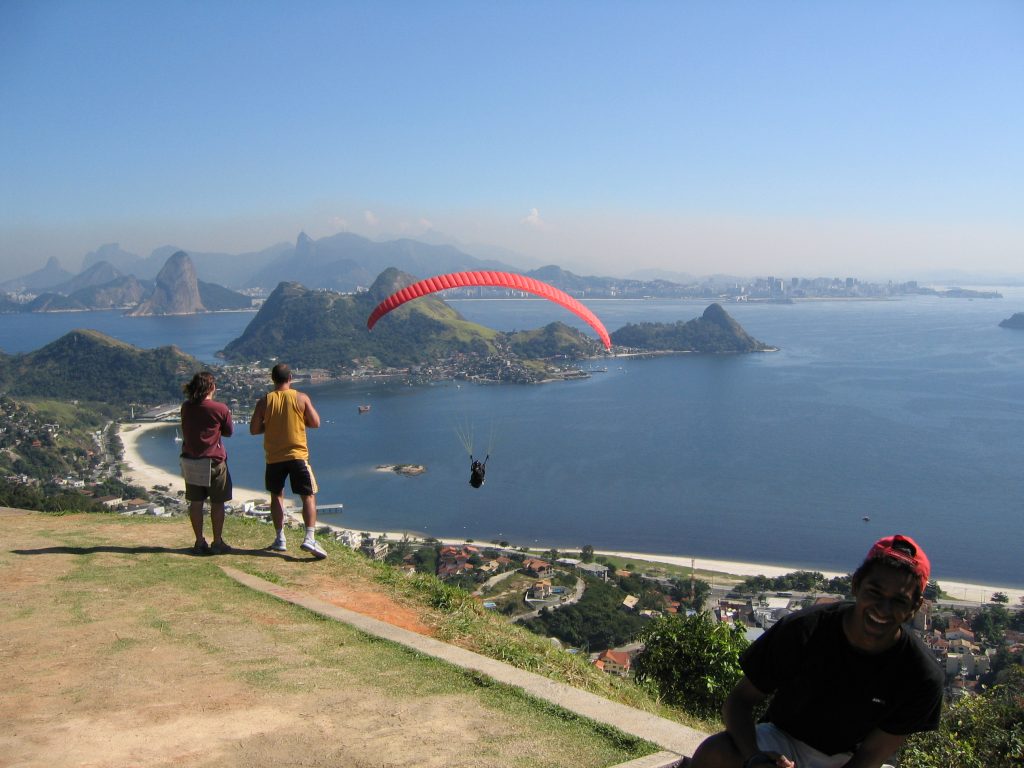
(675, 739)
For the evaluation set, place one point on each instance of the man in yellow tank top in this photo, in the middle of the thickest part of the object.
(282, 417)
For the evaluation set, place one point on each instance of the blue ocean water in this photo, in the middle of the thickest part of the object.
(910, 412)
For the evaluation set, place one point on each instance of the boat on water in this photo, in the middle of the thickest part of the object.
(363, 408)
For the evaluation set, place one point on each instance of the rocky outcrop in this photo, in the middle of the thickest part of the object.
(123, 291)
(1016, 322)
(176, 291)
(713, 332)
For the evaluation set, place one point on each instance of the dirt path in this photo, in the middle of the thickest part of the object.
(118, 648)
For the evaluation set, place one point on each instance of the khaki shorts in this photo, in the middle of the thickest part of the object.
(773, 739)
(219, 490)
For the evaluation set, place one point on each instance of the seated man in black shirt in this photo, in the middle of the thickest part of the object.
(849, 682)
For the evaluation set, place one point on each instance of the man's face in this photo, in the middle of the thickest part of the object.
(885, 600)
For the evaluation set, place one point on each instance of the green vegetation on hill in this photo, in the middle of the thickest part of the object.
(714, 331)
(178, 633)
(91, 366)
(596, 621)
(984, 731)
(553, 340)
(325, 329)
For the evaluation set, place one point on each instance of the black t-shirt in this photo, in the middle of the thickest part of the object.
(829, 694)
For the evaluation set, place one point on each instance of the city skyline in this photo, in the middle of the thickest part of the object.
(867, 140)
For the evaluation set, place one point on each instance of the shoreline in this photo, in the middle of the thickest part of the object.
(138, 472)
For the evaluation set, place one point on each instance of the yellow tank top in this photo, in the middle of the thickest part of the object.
(285, 435)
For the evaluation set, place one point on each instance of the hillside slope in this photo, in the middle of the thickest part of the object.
(175, 664)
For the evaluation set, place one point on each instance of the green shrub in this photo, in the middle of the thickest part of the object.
(692, 661)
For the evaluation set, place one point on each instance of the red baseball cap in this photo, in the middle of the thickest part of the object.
(905, 550)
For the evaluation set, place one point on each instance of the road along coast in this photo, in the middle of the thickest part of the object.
(146, 475)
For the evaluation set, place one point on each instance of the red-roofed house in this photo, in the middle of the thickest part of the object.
(539, 568)
(614, 662)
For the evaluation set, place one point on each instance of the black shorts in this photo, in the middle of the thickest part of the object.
(298, 472)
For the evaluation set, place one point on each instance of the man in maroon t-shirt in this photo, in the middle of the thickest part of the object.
(204, 422)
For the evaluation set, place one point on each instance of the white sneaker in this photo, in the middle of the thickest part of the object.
(313, 546)
(279, 545)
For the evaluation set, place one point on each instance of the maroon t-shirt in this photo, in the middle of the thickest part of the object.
(202, 426)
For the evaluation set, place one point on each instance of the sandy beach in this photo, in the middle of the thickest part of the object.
(146, 475)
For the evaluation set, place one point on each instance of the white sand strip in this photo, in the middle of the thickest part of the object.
(146, 475)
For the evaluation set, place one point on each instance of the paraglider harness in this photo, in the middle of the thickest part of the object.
(477, 470)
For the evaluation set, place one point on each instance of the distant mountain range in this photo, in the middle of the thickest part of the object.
(175, 291)
(344, 262)
(327, 329)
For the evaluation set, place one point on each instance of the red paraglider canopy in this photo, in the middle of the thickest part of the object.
(494, 279)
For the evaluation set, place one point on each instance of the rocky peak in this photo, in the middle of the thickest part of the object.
(176, 291)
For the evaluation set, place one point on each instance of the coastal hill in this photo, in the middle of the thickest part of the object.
(89, 365)
(714, 331)
(327, 329)
(1016, 321)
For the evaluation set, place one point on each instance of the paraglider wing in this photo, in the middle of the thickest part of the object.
(492, 279)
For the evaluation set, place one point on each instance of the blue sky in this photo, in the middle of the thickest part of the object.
(876, 139)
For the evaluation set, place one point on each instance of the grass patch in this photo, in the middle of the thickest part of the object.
(135, 574)
(122, 644)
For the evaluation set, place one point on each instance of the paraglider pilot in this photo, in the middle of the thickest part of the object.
(477, 470)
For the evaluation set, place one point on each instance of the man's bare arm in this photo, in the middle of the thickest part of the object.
(309, 414)
(738, 716)
(256, 424)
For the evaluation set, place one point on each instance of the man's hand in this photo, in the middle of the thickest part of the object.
(768, 758)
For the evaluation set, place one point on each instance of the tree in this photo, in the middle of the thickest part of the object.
(693, 594)
(1000, 597)
(596, 622)
(693, 661)
(587, 553)
(990, 623)
(985, 731)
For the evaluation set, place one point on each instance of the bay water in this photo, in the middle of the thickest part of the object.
(908, 412)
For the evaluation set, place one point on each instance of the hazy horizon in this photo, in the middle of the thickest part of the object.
(870, 140)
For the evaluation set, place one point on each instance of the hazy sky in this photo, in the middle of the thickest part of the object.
(794, 138)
